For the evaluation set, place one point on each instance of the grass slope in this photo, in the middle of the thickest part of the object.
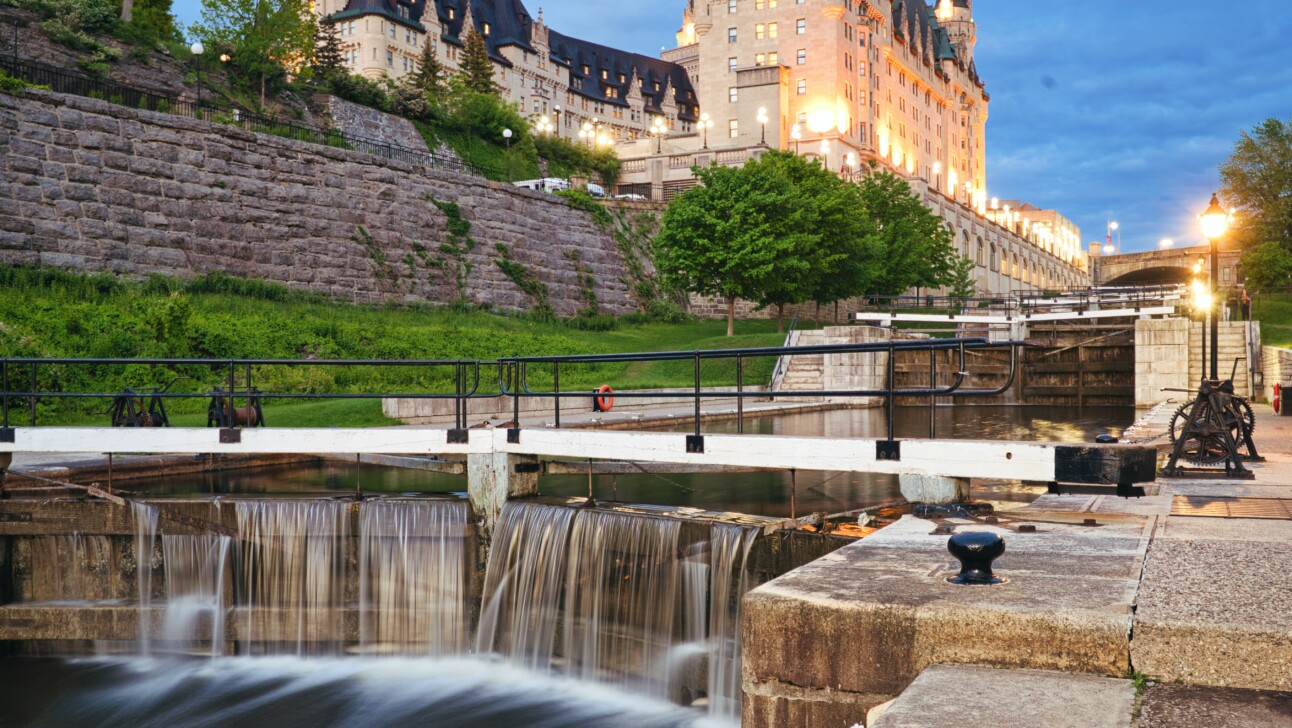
(51, 314)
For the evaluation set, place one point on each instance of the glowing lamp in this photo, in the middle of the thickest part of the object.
(1215, 221)
(820, 121)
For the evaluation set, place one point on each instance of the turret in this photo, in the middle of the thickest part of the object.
(957, 17)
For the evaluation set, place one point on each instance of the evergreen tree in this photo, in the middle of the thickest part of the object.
(328, 58)
(477, 67)
(429, 76)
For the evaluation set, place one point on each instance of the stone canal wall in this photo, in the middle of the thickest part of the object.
(92, 186)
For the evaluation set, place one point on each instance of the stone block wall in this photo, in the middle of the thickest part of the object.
(369, 123)
(1161, 359)
(1276, 363)
(92, 186)
(837, 372)
(1237, 339)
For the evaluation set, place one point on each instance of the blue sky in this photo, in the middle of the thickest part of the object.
(1101, 109)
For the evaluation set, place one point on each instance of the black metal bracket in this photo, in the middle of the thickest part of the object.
(695, 444)
(1122, 490)
(513, 436)
(230, 437)
(528, 468)
(888, 451)
(7, 434)
(459, 437)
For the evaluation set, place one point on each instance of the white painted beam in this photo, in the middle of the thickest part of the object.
(180, 440)
(886, 319)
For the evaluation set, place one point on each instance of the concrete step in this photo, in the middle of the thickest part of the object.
(953, 696)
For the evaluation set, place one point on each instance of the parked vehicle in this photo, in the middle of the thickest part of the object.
(631, 198)
(546, 184)
(596, 190)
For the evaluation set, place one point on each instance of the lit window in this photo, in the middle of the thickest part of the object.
(733, 128)
(771, 30)
(760, 31)
(760, 59)
(800, 26)
(758, 4)
(773, 58)
(485, 27)
(802, 57)
(450, 13)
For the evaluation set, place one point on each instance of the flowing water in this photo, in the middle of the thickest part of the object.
(195, 611)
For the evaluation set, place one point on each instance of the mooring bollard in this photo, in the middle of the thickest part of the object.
(976, 550)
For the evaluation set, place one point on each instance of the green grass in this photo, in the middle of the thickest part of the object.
(49, 314)
(1274, 311)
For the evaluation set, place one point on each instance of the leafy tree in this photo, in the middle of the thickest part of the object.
(476, 68)
(1268, 267)
(1257, 184)
(765, 232)
(961, 280)
(430, 76)
(265, 36)
(915, 247)
(328, 58)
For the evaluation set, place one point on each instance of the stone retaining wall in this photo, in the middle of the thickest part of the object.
(92, 186)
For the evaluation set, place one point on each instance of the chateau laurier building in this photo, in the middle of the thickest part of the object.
(851, 82)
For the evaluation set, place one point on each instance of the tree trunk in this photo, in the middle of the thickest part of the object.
(731, 315)
(262, 93)
(780, 318)
(127, 7)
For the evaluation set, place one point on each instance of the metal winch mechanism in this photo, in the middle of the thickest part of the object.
(1213, 432)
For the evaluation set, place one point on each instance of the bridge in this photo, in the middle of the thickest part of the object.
(503, 463)
(1159, 267)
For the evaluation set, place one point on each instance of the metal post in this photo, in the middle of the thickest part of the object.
(933, 400)
(250, 407)
(233, 413)
(1215, 322)
(1206, 316)
(32, 398)
(4, 375)
(892, 351)
(515, 397)
(697, 394)
(556, 387)
(740, 399)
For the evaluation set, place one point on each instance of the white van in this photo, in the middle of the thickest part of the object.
(596, 190)
(546, 184)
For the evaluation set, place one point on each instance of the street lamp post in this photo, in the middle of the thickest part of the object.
(1215, 222)
(1166, 244)
(657, 130)
(197, 50)
(1113, 225)
(706, 124)
(762, 119)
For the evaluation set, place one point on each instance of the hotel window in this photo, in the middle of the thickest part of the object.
(758, 4)
(733, 128)
(731, 35)
(731, 6)
(773, 58)
(390, 59)
(802, 86)
(450, 13)
(586, 69)
(771, 30)
(408, 36)
(733, 94)
(605, 75)
(861, 68)
(760, 59)
(392, 30)
(760, 31)
(802, 57)
(731, 66)
(800, 26)
(485, 28)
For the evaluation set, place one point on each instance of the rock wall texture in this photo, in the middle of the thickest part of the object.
(88, 185)
(369, 123)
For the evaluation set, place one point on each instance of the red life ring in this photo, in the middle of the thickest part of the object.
(1278, 399)
(604, 399)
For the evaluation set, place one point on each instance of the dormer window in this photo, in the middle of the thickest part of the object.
(656, 86)
(484, 28)
(586, 70)
(451, 14)
(622, 78)
(604, 74)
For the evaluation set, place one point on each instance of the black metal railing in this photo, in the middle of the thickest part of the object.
(514, 374)
(237, 379)
(60, 80)
(1024, 301)
(238, 375)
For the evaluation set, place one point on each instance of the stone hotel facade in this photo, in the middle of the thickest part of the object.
(849, 82)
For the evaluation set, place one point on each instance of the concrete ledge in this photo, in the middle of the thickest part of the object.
(1215, 613)
(864, 621)
(946, 696)
(1173, 706)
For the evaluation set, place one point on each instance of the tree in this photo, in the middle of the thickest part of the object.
(961, 280)
(476, 68)
(763, 232)
(1257, 184)
(915, 247)
(1268, 267)
(430, 76)
(265, 36)
(328, 58)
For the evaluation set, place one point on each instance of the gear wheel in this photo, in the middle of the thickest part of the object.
(1205, 445)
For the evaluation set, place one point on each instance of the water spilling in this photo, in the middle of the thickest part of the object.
(619, 599)
(195, 592)
(292, 568)
(412, 577)
(145, 518)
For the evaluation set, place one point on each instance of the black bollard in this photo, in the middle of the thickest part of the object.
(976, 550)
(1106, 440)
